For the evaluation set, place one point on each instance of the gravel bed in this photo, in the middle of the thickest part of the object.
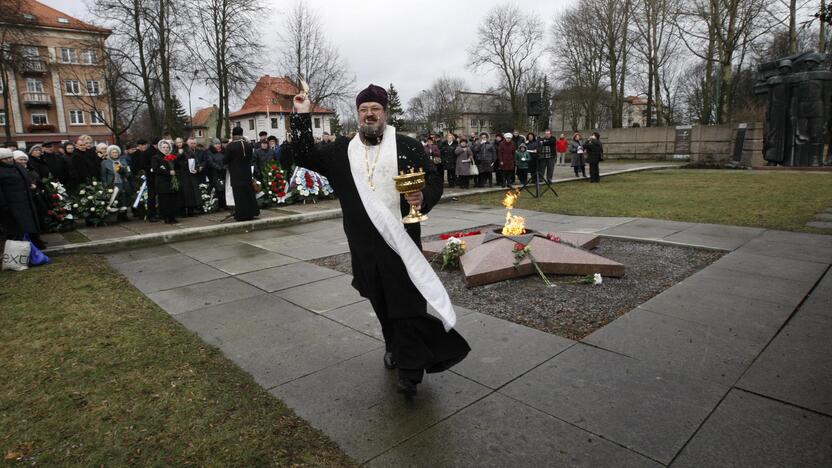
(573, 310)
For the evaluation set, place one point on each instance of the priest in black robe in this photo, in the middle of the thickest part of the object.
(388, 267)
(238, 158)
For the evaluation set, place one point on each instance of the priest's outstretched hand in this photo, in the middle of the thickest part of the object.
(415, 199)
(302, 104)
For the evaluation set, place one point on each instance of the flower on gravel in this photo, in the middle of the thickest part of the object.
(597, 279)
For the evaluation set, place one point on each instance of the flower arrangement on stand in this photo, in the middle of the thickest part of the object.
(275, 184)
(59, 212)
(309, 185)
(92, 203)
(210, 202)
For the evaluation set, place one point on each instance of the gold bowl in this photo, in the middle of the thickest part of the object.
(408, 183)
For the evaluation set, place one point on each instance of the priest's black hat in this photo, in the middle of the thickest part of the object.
(372, 93)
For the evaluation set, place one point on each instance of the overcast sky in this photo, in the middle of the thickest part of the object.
(404, 42)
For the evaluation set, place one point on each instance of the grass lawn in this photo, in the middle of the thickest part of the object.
(775, 200)
(95, 374)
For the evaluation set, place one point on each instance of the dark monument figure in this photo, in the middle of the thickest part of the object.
(799, 91)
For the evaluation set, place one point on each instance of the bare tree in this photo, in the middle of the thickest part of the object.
(13, 34)
(307, 54)
(717, 31)
(509, 42)
(614, 18)
(438, 107)
(578, 52)
(655, 43)
(222, 37)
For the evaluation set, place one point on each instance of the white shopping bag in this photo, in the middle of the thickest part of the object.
(16, 255)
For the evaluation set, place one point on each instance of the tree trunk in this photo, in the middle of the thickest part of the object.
(147, 90)
(792, 27)
(822, 31)
(164, 64)
(7, 129)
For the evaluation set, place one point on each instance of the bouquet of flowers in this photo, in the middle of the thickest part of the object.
(522, 251)
(174, 181)
(210, 202)
(59, 213)
(275, 184)
(92, 202)
(450, 254)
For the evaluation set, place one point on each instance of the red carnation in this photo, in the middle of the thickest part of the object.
(55, 196)
(274, 167)
(50, 213)
(60, 217)
(170, 158)
(518, 247)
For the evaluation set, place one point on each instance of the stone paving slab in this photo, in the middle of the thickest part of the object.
(240, 319)
(141, 254)
(824, 217)
(323, 296)
(252, 262)
(647, 228)
(360, 317)
(796, 367)
(805, 251)
(619, 398)
(210, 253)
(203, 244)
(276, 355)
(285, 277)
(501, 351)
(717, 280)
(715, 236)
(777, 267)
(304, 248)
(820, 224)
(752, 319)
(171, 278)
(150, 263)
(681, 346)
(498, 431)
(747, 430)
(356, 404)
(824, 288)
(197, 296)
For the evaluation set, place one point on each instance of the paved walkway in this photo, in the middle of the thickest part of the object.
(138, 232)
(730, 367)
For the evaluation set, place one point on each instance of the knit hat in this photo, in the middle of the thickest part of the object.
(20, 155)
(6, 153)
(372, 93)
(508, 136)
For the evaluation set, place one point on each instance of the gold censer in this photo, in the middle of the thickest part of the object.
(408, 183)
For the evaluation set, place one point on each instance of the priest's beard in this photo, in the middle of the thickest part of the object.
(371, 131)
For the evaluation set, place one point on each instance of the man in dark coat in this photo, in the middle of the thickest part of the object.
(238, 157)
(58, 163)
(18, 214)
(142, 165)
(190, 195)
(385, 253)
(85, 162)
(594, 156)
(447, 149)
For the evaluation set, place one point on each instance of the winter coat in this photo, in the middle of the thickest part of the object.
(433, 153)
(161, 173)
(562, 145)
(189, 193)
(577, 158)
(448, 154)
(58, 166)
(86, 165)
(260, 158)
(505, 153)
(38, 167)
(486, 156)
(464, 161)
(110, 178)
(522, 159)
(17, 203)
(594, 151)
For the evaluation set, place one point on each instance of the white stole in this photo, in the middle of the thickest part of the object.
(391, 228)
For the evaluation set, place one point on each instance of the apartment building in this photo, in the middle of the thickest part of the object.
(57, 92)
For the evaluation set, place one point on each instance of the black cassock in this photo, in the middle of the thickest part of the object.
(417, 340)
(238, 156)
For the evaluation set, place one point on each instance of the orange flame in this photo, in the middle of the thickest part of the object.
(515, 225)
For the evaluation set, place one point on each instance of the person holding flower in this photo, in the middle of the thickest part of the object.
(115, 173)
(167, 185)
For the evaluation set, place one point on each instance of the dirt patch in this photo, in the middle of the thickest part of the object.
(573, 310)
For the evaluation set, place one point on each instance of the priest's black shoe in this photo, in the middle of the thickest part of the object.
(407, 387)
(389, 363)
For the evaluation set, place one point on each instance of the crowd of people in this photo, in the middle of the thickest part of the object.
(165, 176)
(480, 160)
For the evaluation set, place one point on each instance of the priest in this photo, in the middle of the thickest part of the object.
(388, 266)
